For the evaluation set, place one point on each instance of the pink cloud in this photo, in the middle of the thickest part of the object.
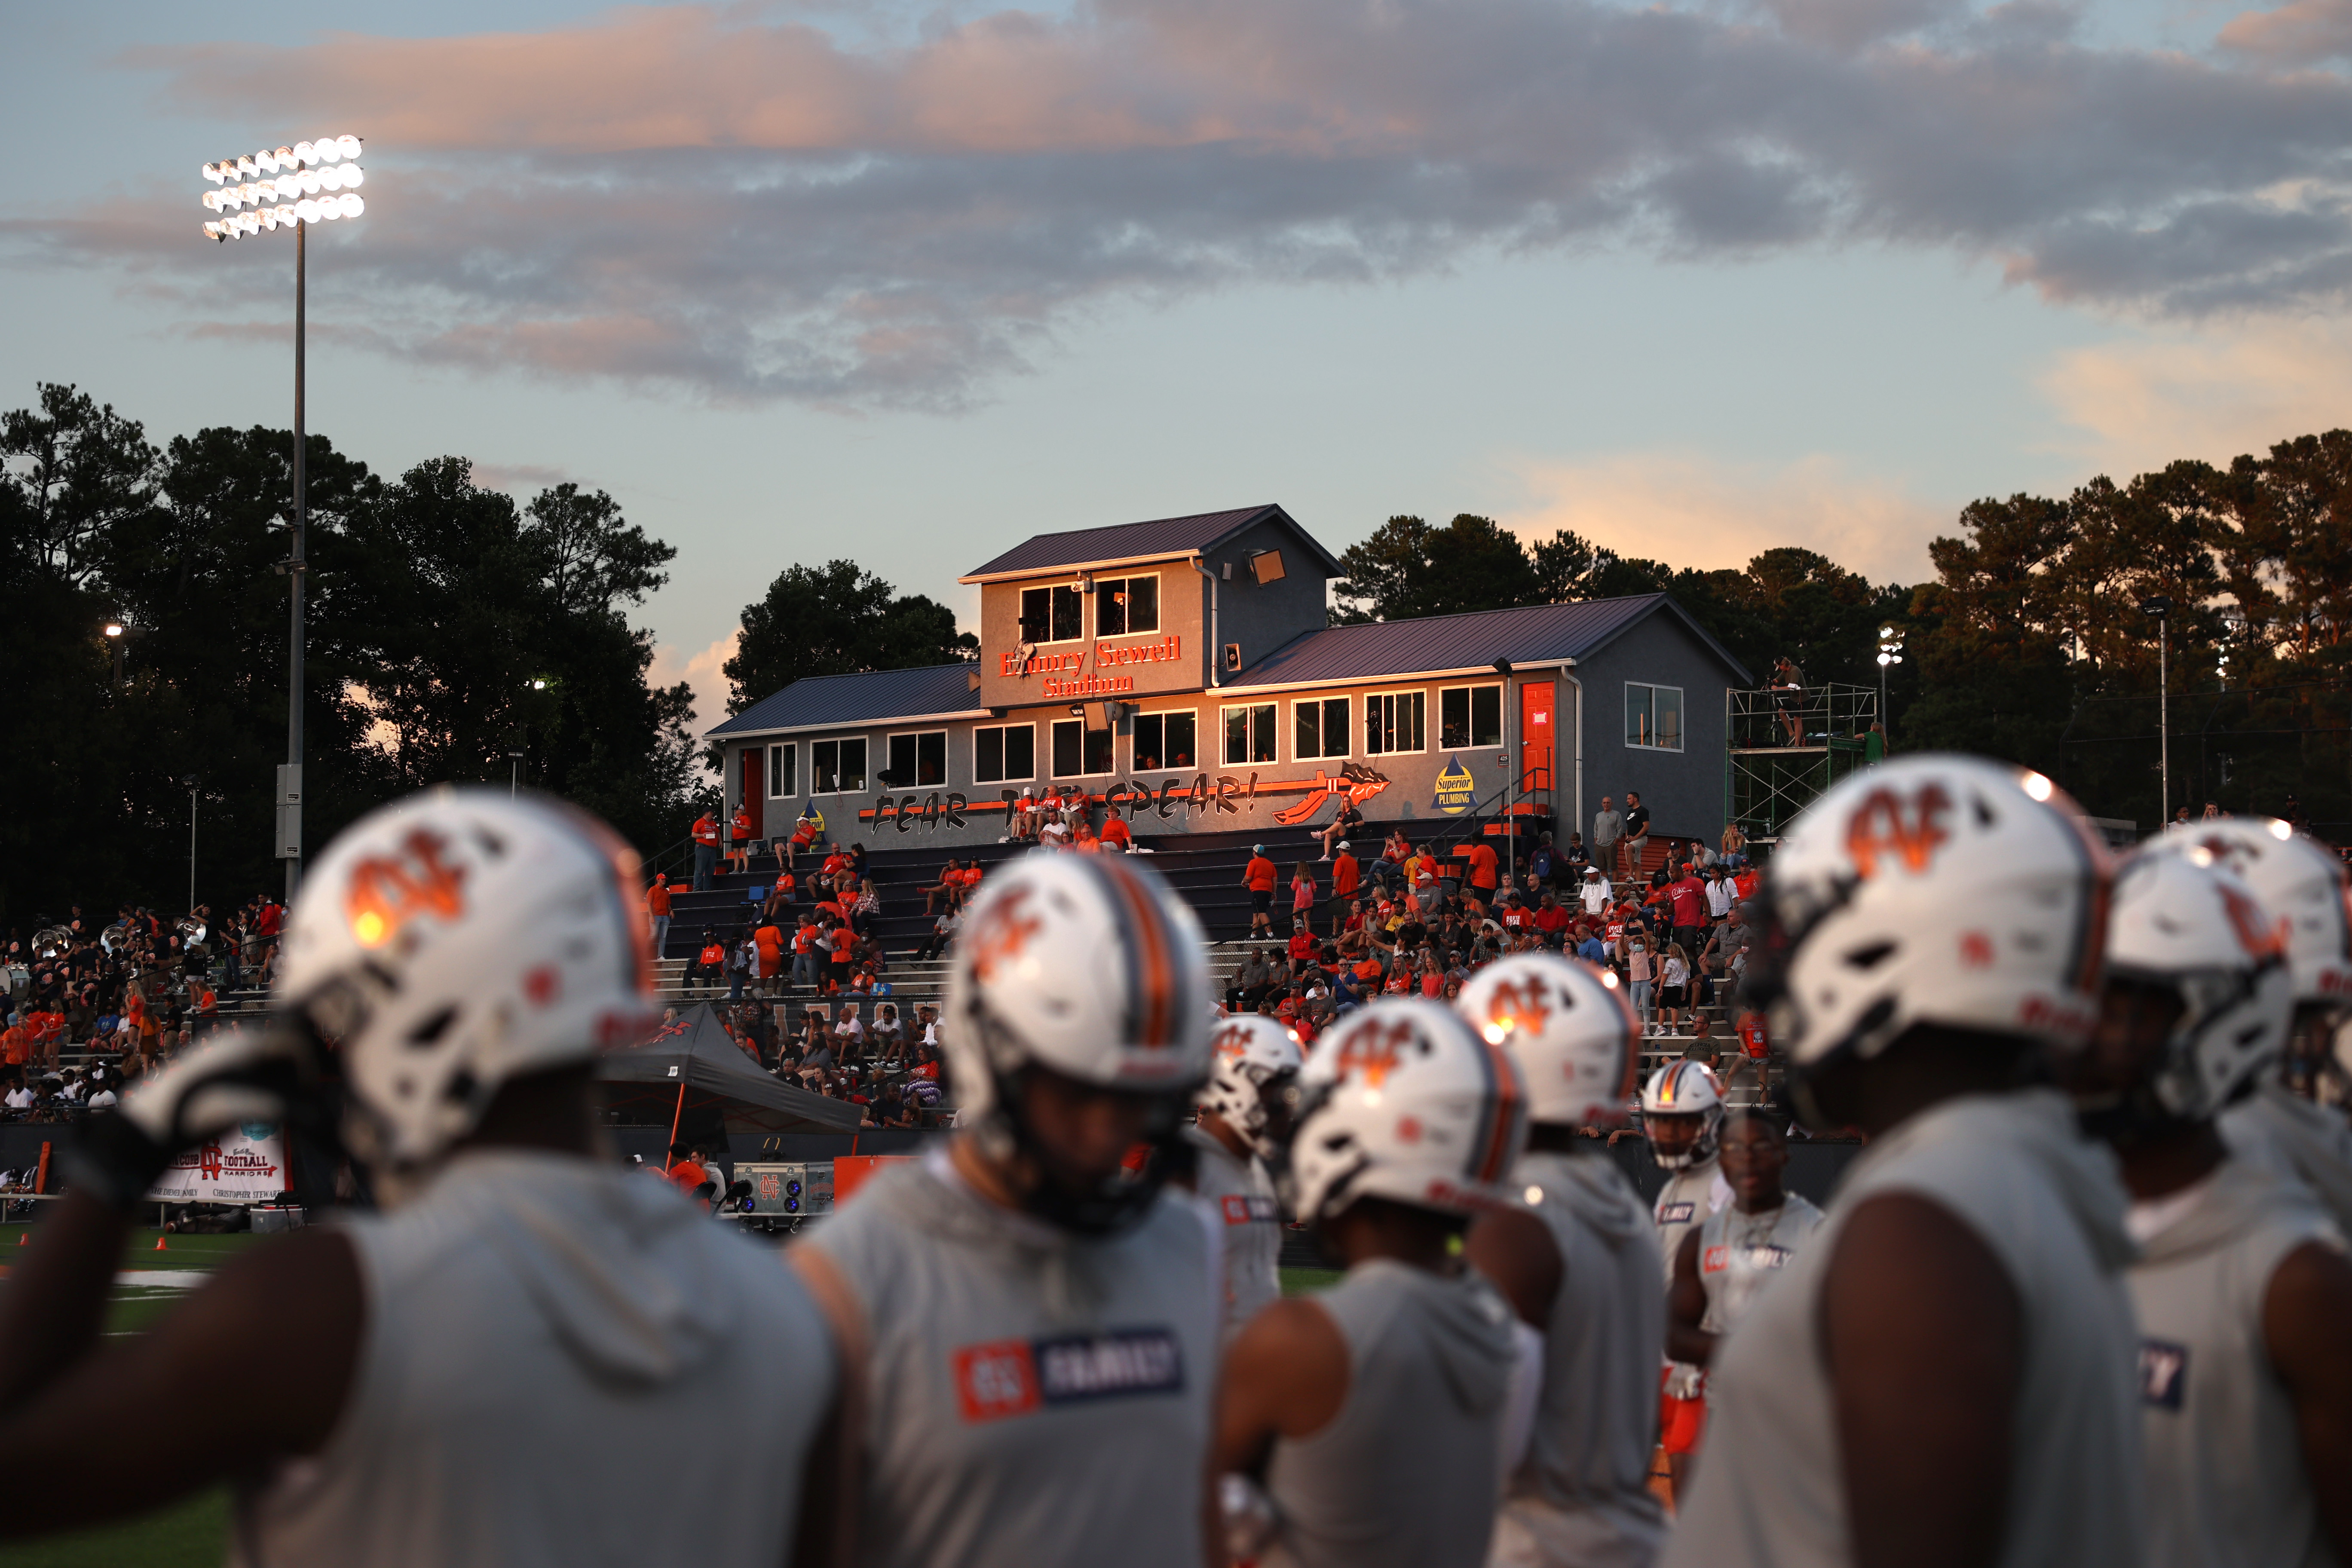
(751, 209)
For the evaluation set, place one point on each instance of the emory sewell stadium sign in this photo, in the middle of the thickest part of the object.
(1025, 661)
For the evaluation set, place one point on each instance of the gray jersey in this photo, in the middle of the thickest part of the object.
(2284, 1133)
(2016, 1171)
(1683, 1204)
(1405, 1475)
(541, 1331)
(1583, 1494)
(1739, 1252)
(1033, 1396)
(1237, 1196)
(2227, 1483)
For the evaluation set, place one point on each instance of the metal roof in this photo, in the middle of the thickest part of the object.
(1532, 633)
(1084, 548)
(869, 697)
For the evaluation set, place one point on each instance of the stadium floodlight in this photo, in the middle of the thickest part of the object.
(292, 186)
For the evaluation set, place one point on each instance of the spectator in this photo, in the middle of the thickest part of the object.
(1734, 839)
(1788, 699)
(1596, 894)
(709, 961)
(1258, 877)
(742, 954)
(806, 954)
(1637, 832)
(658, 911)
(739, 843)
(1484, 872)
(949, 887)
(1540, 864)
(1608, 827)
(1343, 826)
(807, 829)
(1303, 894)
(769, 941)
(1686, 897)
(944, 927)
(1548, 919)
(1673, 985)
(706, 850)
(1346, 879)
(1116, 837)
(1634, 941)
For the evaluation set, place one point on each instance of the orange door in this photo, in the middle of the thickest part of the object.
(755, 787)
(1535, 735)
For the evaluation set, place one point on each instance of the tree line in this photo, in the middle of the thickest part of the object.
(2035, 639)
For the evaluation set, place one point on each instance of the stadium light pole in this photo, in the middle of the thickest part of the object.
(290, 187)
(1890, 651)
(2160, 607)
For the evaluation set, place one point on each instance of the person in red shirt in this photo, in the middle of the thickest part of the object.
(15, 1043)
(1115, 834)
(1258, 877)
(1302, 945)
(1549, 918)
(828, 879)
(272, 919)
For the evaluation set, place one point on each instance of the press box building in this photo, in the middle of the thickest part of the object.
(1182, 673)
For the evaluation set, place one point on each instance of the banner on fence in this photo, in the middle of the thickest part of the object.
(246, 1164)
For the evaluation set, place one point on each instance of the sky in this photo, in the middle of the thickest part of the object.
(909, 283)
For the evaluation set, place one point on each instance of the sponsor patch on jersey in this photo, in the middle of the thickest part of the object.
(1675, 1213)
(2163, 1373)
(1242, 1208)
(1015, 1377)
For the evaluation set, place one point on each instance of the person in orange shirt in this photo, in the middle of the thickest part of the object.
(1483, 871)
(685, 1169)
(1086, 843)
(770, 940)
(706, 850)
(1347, 876)
(1115, 834)
(1258, 877)
(15, 1043)
(738, 848)
(657, 910)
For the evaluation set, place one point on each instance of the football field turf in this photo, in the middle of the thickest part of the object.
(191, 1534)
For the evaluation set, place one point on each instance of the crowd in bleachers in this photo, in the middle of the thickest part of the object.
(90, 1006)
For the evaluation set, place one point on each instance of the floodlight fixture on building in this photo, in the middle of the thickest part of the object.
(280, 187)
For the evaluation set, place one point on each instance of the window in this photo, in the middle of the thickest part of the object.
(1393, 722)
(1165, 741)
(783, 770)
(1470, 716)
(1079, 751)
(839, 766)
(1249, 735)
(1653, 716)
(1126, 605)
(999, 754)
(918, 761)
(1052, 615)
(1320, 726)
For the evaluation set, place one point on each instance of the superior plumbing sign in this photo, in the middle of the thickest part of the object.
(246, 1164)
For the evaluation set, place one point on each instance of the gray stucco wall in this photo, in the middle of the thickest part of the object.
(1684, 790)
(1261, 618)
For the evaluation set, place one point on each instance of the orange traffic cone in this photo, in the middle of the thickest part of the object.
(24, 1237)
(159, 1245)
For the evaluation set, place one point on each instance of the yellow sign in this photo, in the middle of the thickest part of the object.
(1455, 788)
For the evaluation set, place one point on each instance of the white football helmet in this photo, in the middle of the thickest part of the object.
(1568, 1027)
(1089, 966)
(1685, 1088)
(455, 940)
(2184, 923)
(1254, 1055)
(2300, 882)
(1932, 889)
(1405, 1101)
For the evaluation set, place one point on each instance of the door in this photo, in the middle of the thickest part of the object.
(1536, 735)
(755, 787)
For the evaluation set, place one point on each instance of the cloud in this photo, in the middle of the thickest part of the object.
(755, 209)
(1688, 509)
(700, 670)
(2135, 406)
(2295, 34)
(517, 478)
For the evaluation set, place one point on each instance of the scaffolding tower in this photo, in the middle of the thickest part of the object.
(1787, 744)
